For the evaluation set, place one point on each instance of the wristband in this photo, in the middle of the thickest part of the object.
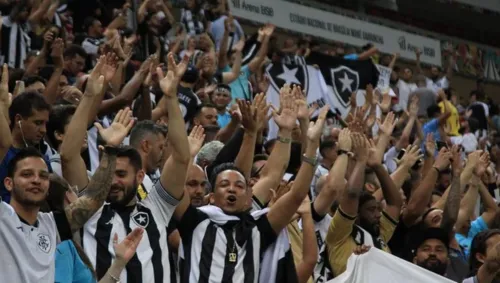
(284, 140)
(341, 151)
(312, 161)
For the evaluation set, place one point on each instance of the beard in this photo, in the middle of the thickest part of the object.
(21, 198)
(129, 195)
(372, 228)
(437, 267)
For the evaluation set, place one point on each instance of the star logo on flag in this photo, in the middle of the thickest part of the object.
(295, 74)
(344, 82)
(141, 219)
(289, 75)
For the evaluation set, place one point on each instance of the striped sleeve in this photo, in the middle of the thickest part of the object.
(161, 202)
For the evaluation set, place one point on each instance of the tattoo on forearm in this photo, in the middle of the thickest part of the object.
(452, 207)
(79, 212)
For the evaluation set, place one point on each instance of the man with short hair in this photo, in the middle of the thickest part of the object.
(437, 79)
(485, 257)
(208, 153)
(431, 250)
(29, 114)
(222, 98)
(206, 116)
(34, 83)
(30, 236)
(74, 62)
(148, 140)
(94, 39)
(328, 152)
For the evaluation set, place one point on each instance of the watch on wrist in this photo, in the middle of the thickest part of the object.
(312, 161)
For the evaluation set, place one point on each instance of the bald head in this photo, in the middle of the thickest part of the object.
(196, 185)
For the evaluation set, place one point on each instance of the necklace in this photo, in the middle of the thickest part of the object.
(233, 255)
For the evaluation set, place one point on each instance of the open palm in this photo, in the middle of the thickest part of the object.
(196, 139)
(316, 128)
(4, 86)
(126, 249)
(119, 129)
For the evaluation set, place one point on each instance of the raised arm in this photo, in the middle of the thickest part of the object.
(309, 243)
(97, 191)
(418, 70)
(224, 43)
(395, 57)
(283, 210)
(350, 199)
(449, 68)
(385, 132)
(489, 205)
(368, 53)
(265, 35)
(51, 92)
(39, 60)
(335, 183)
(37, 14)
(417, 204)
(174, 172)
(273, 171)
(452, 207)
(73, 166)
(252, 117)
(229, 77)
(446, 109)
(391, 192)
(5, 136)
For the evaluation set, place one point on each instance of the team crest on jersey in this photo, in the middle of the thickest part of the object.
(43, 242)
(141, 219)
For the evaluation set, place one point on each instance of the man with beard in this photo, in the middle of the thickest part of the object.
(147, 138)
(431, 250)
(359, 219)
(124, 212)
(437, 79)
(29, 236)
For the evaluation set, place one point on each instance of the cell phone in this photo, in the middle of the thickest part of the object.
(440, 145)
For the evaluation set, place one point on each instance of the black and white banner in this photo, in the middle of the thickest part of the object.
(325, 80)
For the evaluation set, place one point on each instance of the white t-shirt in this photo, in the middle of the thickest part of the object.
(405, 89)
(442, 83)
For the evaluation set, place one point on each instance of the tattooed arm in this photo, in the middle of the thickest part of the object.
(95, 194)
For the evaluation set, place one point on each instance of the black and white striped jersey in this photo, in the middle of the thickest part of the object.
(217, 247)
(151, 262)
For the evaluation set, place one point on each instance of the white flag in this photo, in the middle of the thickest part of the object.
(377, 266)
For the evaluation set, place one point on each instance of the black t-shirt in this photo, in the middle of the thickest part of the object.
(188, 101)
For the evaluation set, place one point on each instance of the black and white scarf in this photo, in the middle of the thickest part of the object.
(192, 22)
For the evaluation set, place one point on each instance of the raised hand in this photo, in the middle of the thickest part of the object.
(443, 159)
(168, 84)
(109, 67)
(357, 124)
(345, 142)
(248, 116)
(235, 113)
(456, 159)
(18, 89)
(300, 100)
(373, 158)
(388, 126)
(287, 117)
(360, 147)
(316, 128)
(238, 47)
(385, 105)
(5, 97)
(229, 23)
(412, 155)
(482, 165)
(269, 29)
(126, 249)
(57, 52)
(430, 145)
(196, 138)
(413, 107)
(474, 158)
(119, 129)
(260, 105)
(95, 81)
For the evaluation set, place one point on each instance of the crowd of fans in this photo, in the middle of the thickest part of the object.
(138, 152)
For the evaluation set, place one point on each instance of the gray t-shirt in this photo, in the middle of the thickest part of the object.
(27, 251)
(426, 98)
